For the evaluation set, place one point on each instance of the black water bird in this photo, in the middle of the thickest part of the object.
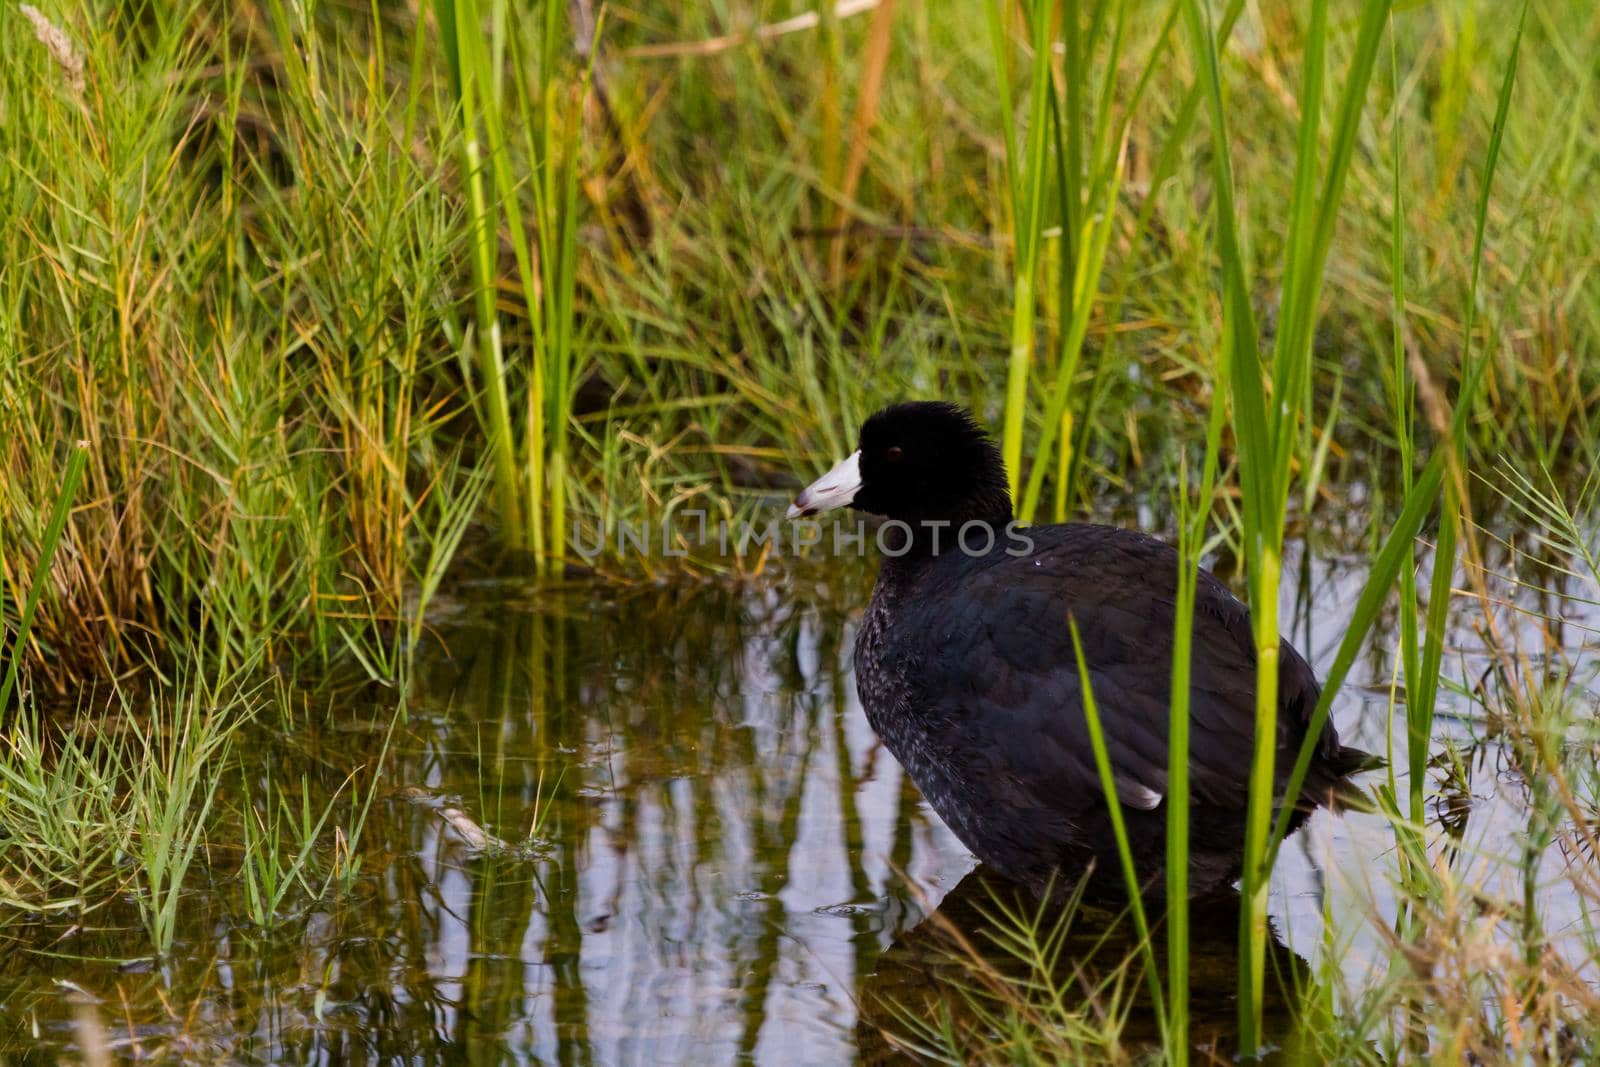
(966, 667)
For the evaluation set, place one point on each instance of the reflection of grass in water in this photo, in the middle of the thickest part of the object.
(993, 975)
(296, 847)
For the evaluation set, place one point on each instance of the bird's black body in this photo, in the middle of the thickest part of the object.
(967, 670)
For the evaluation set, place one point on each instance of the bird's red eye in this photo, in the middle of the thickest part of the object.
(892, 454)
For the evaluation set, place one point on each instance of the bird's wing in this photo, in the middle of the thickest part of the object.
(991, 655)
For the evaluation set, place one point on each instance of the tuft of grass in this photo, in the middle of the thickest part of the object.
(120, 804)
(280, 838)
(229, 289)
(64, 820)
(175, 753)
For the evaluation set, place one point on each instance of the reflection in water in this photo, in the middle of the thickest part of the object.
(717, 854)
(706, 855)
(913, 988)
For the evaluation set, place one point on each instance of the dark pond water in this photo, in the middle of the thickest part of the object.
(656, 828)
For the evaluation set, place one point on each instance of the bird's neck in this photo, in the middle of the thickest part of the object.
(909, 548)
(973, 528)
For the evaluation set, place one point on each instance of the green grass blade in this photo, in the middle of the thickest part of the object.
(1028, 192)
(41, 570)
(1084, 251)
(1102, 762)
(1312, 226)
(1398, 546)
(1403, 415)
(475, 92)
(1243, 369)
(1192, 519)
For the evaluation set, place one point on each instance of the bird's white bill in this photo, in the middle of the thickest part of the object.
(836, 489)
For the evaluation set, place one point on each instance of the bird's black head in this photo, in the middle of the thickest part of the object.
(919, 462)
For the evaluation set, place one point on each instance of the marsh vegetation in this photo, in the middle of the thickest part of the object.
(324, 326)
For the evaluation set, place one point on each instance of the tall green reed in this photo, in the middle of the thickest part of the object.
(1172, 1003)
(1422, 652)
(1269, 437)
(1310, 236)
(1074, 146)
(1025, 182)
(492, 71)
(1193, 516)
